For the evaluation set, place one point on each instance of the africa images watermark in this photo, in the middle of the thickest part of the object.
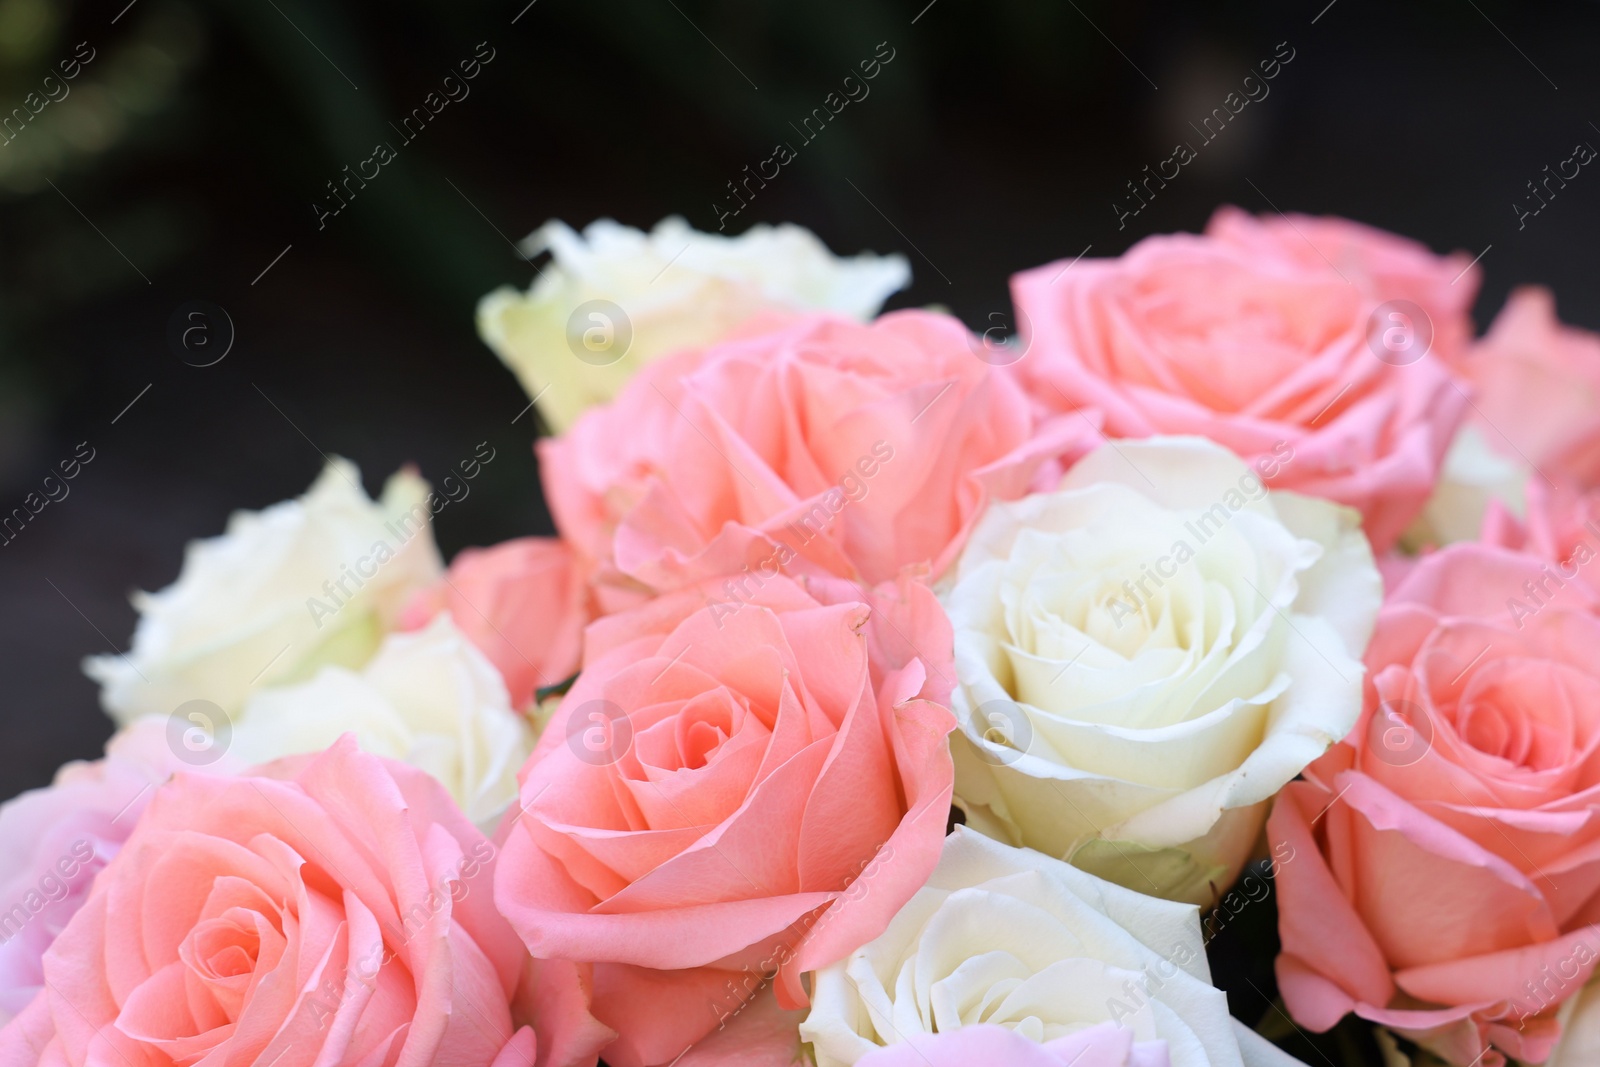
(55, 490)
(1582, 154)
(851, 488)
(1251, 889)
(752, 981)
(402, 528)
(53, 886)
(1539, 591)
(1150, 979)
(1255, 91)
(1143, 987)
(1552, 989)
(855, 89)
(33, 103)
(454, 90)
(1251, 487)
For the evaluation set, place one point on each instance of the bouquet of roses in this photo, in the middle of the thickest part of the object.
(890, 695)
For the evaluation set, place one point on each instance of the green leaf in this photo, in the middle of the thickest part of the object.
(544, 693)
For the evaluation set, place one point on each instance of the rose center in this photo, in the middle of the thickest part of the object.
(691, 738)
(1531, 713)
(222, 948)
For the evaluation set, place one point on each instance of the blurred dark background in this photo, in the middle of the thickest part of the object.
(190, 148)
(187, 155)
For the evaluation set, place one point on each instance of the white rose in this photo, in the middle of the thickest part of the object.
(1146, 656)
(1579, 1045)
(284, 590)
(1008, 937)
(1473, 474)
(675, 287)
(428, 698)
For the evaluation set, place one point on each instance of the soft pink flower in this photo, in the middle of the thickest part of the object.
(1562, 528)
(1106, 1045)
(1537, 389)
(54, 840)
(1388, 265)
(821, 446)
(732, 790)
(1446, 871)
(523, 603)
(328, 910)
(759, 1034)
(1246, 337)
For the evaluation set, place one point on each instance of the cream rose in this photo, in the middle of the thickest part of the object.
(1473, 475)
(428, 698)
(615, 298)
(284, 590)
(1148, 654)
(1580, 1031)
(1008, 937)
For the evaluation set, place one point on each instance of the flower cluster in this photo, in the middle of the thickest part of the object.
(885, 696)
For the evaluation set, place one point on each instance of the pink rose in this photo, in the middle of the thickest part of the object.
(523, 603)
(1105, 1045)
(730, 796)
(1562, 528)
(848, 449)
(1242, 338)
(1537, 389)
(54, 840)
(329, 910)
(1446, 879)
(1388, 265)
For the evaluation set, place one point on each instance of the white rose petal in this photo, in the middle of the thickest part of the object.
(428, 698)
(1148, 654)
(1473, 474)
(304, 582)
(677, 288)
(1009, 937)
(1579, 1045)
